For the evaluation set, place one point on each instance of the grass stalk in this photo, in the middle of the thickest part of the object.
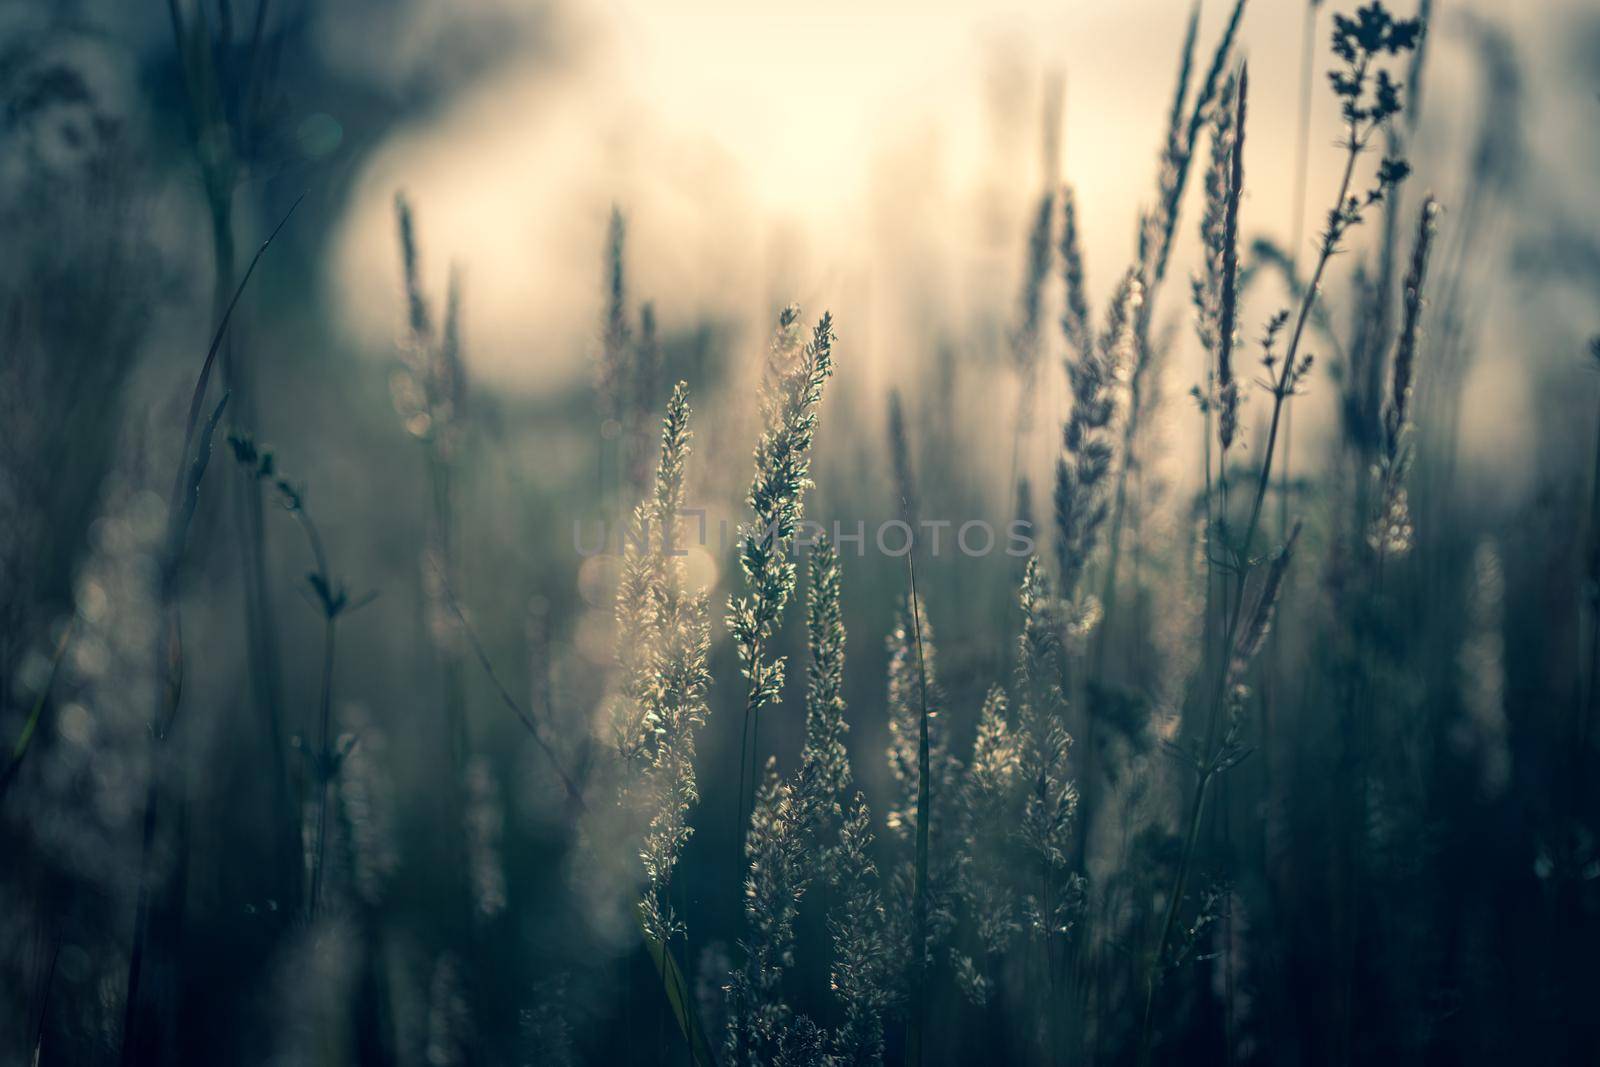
(1592, 690)
(679, 998)
(217, 130)
(1358, 50)
(30, 726)
(536, 729)
(1297, 218)
(330, 595)
(916, 1035)
(1156, 240)
(795, 372)
(191, 470)
(325, 720)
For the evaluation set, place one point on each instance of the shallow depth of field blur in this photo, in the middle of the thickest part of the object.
(327, 735)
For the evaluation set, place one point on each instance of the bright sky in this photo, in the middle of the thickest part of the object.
(877, 157)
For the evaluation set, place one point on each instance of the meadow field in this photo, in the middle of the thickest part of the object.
(558, 532)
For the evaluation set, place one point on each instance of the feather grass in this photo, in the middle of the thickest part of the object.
(792, 391)
(1391, 532)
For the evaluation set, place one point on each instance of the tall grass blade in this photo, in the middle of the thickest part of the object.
(31, 725)
(684, 1010)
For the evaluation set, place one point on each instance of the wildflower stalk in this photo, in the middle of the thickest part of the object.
(331, 598)
(1359, 46)
(325, 761)
(1358, 43)
(1281, 386)
(1291, 268)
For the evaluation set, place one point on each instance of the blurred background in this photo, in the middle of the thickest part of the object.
(713, 162)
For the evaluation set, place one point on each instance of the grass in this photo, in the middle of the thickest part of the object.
(169, 664)
(1106, 825)
(30, 726)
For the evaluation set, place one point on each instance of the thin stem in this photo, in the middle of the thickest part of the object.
(746, 755)
(1592, 693)
(1281, 387)
(262, 652)
(755, 761)
(443, 522)
(674, 985)
(315, 541)
(1191, 838)
(47, 985)
(324, 765)
(1211, 517)
(524, 715)
(198, 398)
(738, 800)
(1297, 218)
(919, 899)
